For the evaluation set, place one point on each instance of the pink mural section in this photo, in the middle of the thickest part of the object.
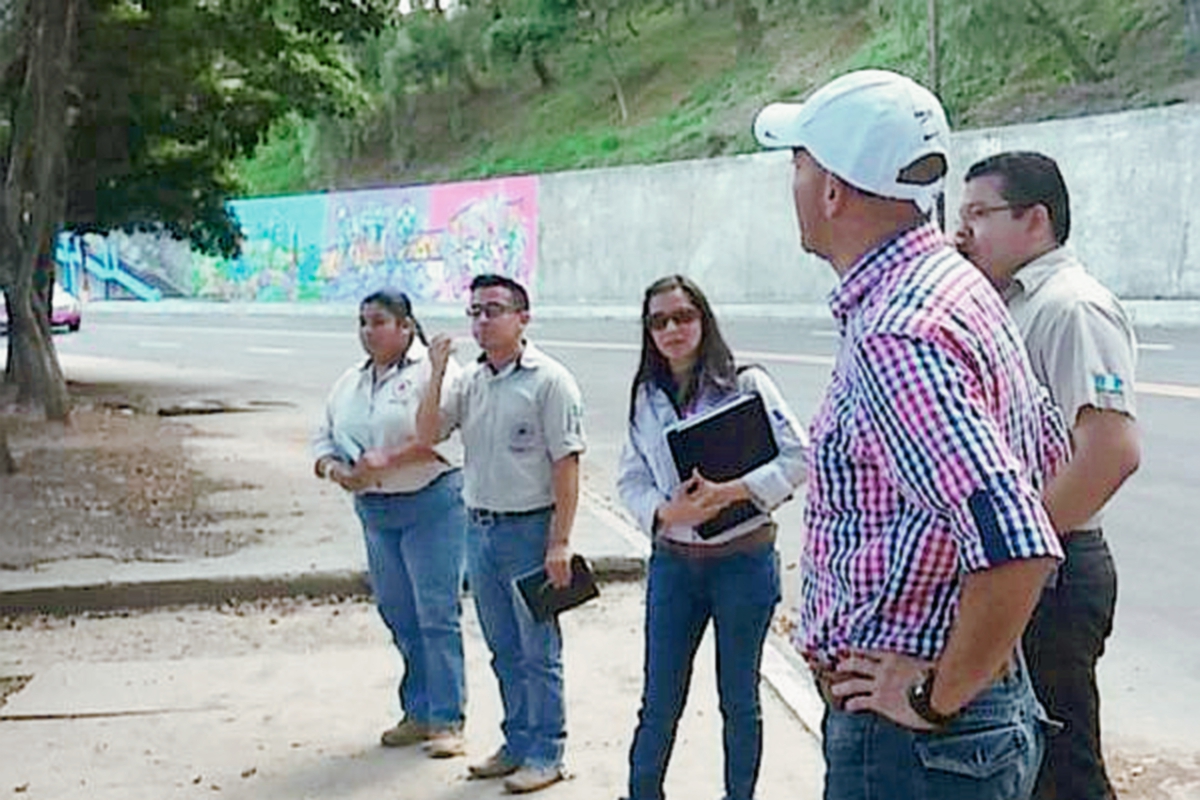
(428, 241)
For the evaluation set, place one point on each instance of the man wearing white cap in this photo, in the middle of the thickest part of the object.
(927, 542)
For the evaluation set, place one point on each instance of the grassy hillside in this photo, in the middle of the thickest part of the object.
(690, 95)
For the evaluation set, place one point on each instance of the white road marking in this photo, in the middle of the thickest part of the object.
(160, 345)
(1155, 346)
(1175, 390)
(1169, 390)
(270, 351)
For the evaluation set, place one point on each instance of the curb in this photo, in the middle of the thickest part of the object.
(108, 597)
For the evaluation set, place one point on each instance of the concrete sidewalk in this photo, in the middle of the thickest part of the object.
(307, 724)
(277, 723)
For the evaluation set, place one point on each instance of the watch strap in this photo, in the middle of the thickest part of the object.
(920, 699)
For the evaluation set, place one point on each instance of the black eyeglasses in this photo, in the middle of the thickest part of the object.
(684, 316)
(489, 310)
(972, 214)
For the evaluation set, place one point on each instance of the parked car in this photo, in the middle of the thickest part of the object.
(67, 311)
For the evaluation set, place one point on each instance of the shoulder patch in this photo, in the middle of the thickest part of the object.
(1108, 384)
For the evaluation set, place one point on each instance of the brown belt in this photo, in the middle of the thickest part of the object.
(761, 536)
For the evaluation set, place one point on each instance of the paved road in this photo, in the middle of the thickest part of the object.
(1151, 675)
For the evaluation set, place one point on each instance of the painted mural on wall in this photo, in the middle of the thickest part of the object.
(428, 241)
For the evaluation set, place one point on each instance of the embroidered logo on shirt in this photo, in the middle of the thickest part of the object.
(522, 437)
(1108, 384)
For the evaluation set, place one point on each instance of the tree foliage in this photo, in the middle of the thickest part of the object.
(129, 113)
(173, 91)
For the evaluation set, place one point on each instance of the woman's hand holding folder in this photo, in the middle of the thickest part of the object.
(698, 500)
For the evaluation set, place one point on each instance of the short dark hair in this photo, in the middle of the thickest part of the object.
(1030, 179)
(714, 364)
(398, 305)
(489, 279)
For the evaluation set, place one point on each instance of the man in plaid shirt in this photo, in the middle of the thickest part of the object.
(928, 545)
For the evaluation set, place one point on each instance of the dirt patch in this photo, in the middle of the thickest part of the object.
(11, 684)
(1154, 776)
(116, 482)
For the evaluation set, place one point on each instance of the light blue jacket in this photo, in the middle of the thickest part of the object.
(647, 475)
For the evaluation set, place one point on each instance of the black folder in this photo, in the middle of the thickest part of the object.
(545, 600)
(725, 443)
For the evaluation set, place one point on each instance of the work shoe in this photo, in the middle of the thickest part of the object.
(497, 765)
(445, 743)
(531, 779)
(406, 733)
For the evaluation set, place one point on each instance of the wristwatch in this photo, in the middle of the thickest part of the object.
(920, 700)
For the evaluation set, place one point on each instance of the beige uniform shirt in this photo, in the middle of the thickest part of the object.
(515, 424)
(363, 413)
(1080, 341)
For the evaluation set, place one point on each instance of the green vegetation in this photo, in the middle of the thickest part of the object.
(521, 86)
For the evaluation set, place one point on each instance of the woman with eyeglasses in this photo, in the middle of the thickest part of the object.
(731, 578)
(409, 501)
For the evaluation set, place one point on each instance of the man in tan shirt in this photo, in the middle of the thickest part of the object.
(1014, 223)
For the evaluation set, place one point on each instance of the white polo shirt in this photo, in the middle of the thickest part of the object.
(1080, 341)
(515, 424)
(362, 414)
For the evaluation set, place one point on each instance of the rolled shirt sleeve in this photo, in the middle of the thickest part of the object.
(1092, 360)
(947, 453)
(562, 415)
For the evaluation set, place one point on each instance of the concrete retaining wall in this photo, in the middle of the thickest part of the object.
(729, 223)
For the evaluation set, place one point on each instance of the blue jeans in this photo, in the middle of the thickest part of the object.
(415, 553)
(991, 751)
(738, 592)
(526, 655)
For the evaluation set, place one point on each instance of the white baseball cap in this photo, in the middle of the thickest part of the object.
(869, 128)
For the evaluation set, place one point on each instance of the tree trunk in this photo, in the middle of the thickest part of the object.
(611, 61)
(932, 42)
(8, 464)
(1191, 29)
(545, 77)
(35, 202)
(749, 28)
(1042, 17)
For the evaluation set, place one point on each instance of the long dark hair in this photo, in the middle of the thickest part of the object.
(398, 305)
(714, 363)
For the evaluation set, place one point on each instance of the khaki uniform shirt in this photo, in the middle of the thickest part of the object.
(363, 413)
(1080, 341)
(515, 424)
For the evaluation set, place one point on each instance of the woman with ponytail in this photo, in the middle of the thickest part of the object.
(409, 500)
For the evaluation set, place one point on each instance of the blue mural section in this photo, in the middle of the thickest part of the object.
(427, 241)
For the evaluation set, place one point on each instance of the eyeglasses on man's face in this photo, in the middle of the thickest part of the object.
(682, 316)
(969, 215)
(490, 310)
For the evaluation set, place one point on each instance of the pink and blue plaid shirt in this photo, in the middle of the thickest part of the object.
(928, 456)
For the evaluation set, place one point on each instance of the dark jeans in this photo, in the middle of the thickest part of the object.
(1063, 642)
(738, 592)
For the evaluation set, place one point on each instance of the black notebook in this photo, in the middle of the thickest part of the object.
(724, 443)
(546, 601)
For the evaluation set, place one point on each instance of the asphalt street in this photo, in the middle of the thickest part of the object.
(1150, 676)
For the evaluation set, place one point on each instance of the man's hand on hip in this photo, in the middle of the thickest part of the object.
(880, 683)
